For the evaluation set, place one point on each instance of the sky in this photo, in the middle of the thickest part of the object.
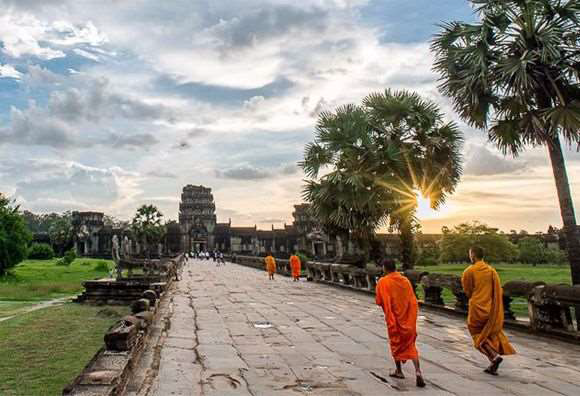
(107, 105)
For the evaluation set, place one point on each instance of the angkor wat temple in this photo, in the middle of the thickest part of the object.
(199, 230)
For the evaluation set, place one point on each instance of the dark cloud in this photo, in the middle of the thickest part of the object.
(244, 172)
(183, 145)
(34, 127)
(98, 101)
(141, 140)
(266, 24)
(249, 172)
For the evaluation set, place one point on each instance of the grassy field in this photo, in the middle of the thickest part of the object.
(37, 280)
(42, 351)
(507, 272)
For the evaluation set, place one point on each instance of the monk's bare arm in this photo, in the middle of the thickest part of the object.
(467, 282)
(378, 297)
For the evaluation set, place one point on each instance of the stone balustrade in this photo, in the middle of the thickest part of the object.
(108, 371)
(124, 291)
(550, 307)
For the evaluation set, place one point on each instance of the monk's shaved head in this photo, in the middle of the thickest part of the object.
(389, 265)
(477, 252)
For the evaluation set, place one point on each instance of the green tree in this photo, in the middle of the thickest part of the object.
(532, 251)
(368, 163)
(455, 244)
(14, 236)
(148, 227)
(60, 232)
(515, 74)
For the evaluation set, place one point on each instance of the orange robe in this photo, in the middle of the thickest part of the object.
(295, 265)
(270, 264)
(395, 295)
(485, 317)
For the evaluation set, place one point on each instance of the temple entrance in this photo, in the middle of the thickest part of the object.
(199, 245)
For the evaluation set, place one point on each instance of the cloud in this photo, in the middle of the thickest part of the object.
(37, 76)
(140, 140)
(161, 174)
(243, 172)
(8, 71)
(47, 183)
(481, 161)
(249, 172)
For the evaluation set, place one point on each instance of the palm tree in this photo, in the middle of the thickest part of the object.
(378, 157)
(515, 73)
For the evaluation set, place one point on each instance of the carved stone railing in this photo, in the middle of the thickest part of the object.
(516, 289)
(125, 290)
(282, 265)
(550, 306)
(109, 370)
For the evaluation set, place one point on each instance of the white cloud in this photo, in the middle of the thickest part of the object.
(8, 71)
(21, 35)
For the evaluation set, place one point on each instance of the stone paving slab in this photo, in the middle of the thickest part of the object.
(234, 332)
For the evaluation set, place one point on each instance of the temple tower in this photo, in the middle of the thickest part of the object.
(197, 218)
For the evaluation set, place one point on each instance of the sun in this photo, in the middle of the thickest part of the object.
(424, 210)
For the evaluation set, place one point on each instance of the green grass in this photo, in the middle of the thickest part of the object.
(43, 351)
(37, 280)
(507, 272)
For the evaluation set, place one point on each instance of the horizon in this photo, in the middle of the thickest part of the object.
(106, 109)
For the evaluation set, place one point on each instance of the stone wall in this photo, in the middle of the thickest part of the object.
(109, 370)
(553, 309)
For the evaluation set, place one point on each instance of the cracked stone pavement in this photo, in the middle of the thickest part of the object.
(232, 332)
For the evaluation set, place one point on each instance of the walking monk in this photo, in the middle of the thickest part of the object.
(485, 318)
(295, 266)
(395, 295)
(270, 265)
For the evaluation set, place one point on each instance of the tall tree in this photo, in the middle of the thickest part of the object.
(60, 231)
(515, 73)
(14, 236)
(148, 227)
(378, 157)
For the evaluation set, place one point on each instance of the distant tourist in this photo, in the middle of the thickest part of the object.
(395, 295)
(482, 286)
(221, 258)
(270, 266)
(295, 266)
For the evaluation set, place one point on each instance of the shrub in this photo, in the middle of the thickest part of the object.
(40, 251)
(69, 256)
(14, 236)
(102, 266)
(303, 257)
(556, 256)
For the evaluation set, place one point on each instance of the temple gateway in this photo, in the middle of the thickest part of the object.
(198, 230)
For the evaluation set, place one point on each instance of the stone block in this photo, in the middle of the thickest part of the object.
(150, 295)
(123, 335)
(140, 305)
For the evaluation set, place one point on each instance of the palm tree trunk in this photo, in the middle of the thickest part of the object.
(566, 208)
(407, 245)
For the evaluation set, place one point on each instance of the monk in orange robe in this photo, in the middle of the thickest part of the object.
(270, 265)
(482, 286)
(295, 266)
(395, 295)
